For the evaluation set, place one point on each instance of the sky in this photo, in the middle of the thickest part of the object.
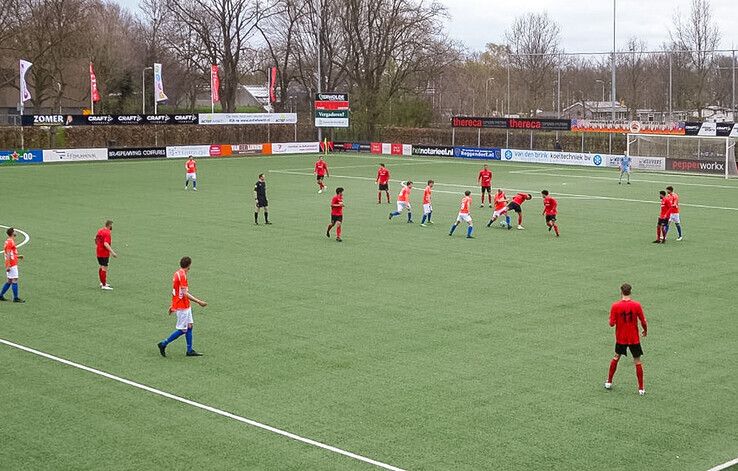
(586, 26)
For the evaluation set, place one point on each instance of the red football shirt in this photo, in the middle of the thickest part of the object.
(103, 235)
(11, 253)
(179, 290)
(665, 208)
(624, 315)
(427, 195)
(383, 176)
(336, 208)
(520, 198)
(674, 201)
(191, 166)
(500, 201)
(485, 177)
(549, 206)
(321, 168)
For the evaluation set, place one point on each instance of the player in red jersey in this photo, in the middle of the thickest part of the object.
(464, 215)
(516, 205)
(383, 177)
(550, 210)
(663, 221)
(485, 181)
(181, 298)
(624, 316)
(103, 240)
(336, 214)
(674, 215)
(427, 205)
(321, 171)
(10, 254)
(500, 209)
(191, 176)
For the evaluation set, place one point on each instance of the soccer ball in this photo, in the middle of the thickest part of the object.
(503, 224)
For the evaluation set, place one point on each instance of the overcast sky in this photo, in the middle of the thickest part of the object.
(585, 25)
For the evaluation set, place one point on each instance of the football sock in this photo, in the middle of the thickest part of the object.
(665, 230)
(330, 226)
(188, 338)
(379, 197)
(453, 228)
(490, 222)
(103, 276)
(338, 232)
(409, 216)
(256, 217)
(175, 335)
(100, 275)
(429, 216)
(187, 183)
(507, 219)
(15, 290)
(520, 219)
(679, 229)
(658, 232)
(639, 375)
(194, 183)
(422, 221)
(613, 367)
(6, 287)
(469, 231)
(394, 213)
(556, 229)
(266, 216)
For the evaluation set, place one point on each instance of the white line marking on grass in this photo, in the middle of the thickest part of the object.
(727, 465)
(204, 407)
(593, 177)
(24, 234)
(532, 192)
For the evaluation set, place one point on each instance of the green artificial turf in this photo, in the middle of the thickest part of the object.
(401, 344)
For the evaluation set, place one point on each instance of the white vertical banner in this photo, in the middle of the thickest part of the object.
(25, 94)
(158, 85)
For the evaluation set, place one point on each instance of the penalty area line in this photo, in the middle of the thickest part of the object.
(204, 407)
(24, 234)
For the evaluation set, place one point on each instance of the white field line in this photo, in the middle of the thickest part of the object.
(726, 465)
(593, 177)
(532, 192)
(25, 234)
(571, 168)
(203, 407)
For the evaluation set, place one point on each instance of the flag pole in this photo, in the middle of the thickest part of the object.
(22, 106)
(212, 101)
(92, 96)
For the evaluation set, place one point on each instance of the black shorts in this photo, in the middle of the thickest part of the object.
(488, 189)
(550, 217)
(320, 178)
(261, 203)
(103, 261)
(663, 221)
(336, 218)
(384, 187)
(635, 349)
(512, 206)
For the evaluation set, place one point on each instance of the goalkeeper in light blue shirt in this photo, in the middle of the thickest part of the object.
(624, 168)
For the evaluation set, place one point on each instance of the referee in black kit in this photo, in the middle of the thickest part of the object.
(260, 198)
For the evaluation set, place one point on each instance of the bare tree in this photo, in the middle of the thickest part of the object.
(698, 36)
(533, 40)
(633, 71)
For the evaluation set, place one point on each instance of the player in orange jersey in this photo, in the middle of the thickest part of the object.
(383, 177)
(674, 215)
(427, 205)
(321, 171)
(181, 298)
(191, 176)
(550, 210)
(403, 202)
(10, 254)
(464, 215)
(500, 209)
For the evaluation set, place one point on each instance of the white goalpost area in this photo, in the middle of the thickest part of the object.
(695, 154)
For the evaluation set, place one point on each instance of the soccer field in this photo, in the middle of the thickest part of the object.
(401, 344)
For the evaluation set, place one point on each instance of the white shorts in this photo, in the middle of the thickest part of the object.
(191, 177)
(466, 217)
(675, 218)
(402, 205)
(12, 272)
(499, 212)
(184, 317)
(427, 208)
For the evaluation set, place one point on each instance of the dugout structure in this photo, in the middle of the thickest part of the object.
(695, 154)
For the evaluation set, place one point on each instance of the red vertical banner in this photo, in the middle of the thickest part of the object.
(94, 94)
(214, 84)
(272, 85)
